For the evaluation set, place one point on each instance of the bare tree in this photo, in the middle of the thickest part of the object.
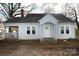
(9, 10)
(49, 8)
(2, 29)
(31, 7)
(72, 11)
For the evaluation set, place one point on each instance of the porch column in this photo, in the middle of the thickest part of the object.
(7, 29)
(55, 31)
(41, 32)
(56, 35)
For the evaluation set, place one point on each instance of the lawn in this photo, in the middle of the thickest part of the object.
(37, 48)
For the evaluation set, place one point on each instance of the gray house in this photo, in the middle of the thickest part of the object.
(40, 26)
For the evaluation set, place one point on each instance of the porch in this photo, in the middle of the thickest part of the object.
(48, 32)
(48, 29)
(11, 32)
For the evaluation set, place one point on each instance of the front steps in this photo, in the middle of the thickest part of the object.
(49, 40)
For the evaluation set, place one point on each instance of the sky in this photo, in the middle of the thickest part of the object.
(38, 9)
(58, 7)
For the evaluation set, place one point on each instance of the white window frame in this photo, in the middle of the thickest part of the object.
(60, 30)
(26, 30)
(35, 29)
(69, 29)
(31, 29)
(65, 29)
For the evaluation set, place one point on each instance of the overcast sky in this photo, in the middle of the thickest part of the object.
(38, 9)
(41, 10)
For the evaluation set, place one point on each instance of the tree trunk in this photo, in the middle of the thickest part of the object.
(76, 19)
(77, 23)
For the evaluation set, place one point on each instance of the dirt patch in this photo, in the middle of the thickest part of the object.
(37, 48)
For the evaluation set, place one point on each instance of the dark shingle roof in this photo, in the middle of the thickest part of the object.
(33, 18)
(62, 18)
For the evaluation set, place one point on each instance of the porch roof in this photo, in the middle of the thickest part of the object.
(33, 18)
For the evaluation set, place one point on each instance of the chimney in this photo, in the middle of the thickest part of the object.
(22, 13)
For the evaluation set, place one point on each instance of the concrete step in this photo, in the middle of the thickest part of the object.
(49, 40)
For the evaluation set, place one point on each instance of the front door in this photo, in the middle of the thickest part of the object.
(47, 31)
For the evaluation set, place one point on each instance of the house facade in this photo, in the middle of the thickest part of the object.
(40, 26)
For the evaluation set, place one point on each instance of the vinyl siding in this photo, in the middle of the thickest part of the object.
(22, 30)
(66, 36)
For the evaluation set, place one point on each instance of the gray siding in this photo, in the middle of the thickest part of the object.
(23, 35)
(46, 20)
(22, 30)
(66, 36)
(55, 30)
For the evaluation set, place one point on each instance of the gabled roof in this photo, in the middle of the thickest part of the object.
(33, 18)
(62, 18)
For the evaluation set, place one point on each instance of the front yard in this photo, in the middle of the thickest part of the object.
(37, 48)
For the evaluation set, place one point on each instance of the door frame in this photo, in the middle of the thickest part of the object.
(48, 34)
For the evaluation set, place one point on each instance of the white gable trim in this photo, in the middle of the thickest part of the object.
(48, 18)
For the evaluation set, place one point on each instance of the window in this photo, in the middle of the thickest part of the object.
(28, 29)
(67, 29)
(62, 29)
(33, 30)
(13, 29)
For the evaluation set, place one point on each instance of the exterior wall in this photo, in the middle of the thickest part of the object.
(52, 21)
(46, 20)
(22, 30)
(55, 30)
(65, 36)
(57, 26)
